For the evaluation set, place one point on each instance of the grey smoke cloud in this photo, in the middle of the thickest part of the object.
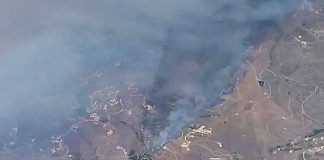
(201, 54)
(182, 50)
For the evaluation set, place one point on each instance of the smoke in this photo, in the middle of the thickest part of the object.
(181, 51)
(201, 54)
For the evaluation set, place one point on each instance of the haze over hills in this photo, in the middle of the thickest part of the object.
(180, 79)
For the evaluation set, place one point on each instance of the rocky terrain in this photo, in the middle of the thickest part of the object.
(275, 111)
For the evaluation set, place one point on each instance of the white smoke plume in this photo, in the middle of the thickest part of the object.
(182, 50)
